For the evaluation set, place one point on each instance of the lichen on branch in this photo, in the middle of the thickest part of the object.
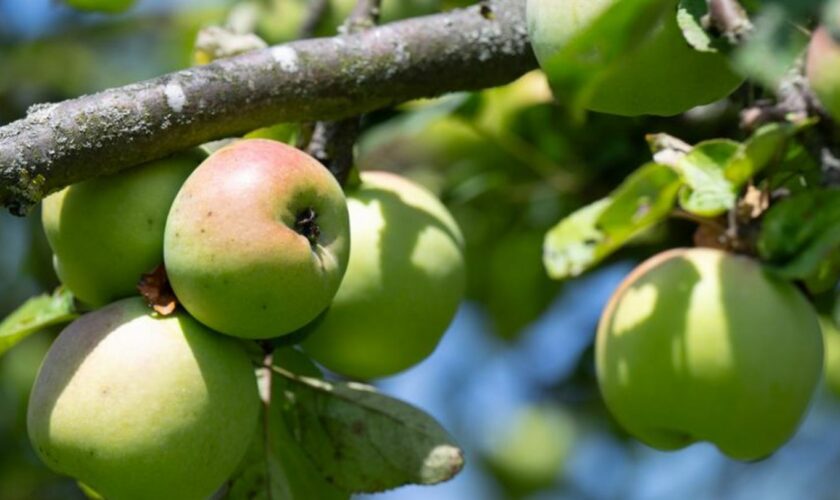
(308, 80)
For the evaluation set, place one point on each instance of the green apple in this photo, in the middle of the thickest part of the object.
(105, 233)
(830, 323)
(831, 337)
(663, 76)
(822, 70)
(139, 407)
(108, 6)
(403, 284)
(701, 345)
(530, 454)
(257, 240)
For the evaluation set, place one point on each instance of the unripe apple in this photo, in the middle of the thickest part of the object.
(831, 338)
(108, 6)
(403, 284)
(663, 76)
(141, 407)
(823, 70)
(257, 240)
(701, 345)
(830, 323)
(105, 233)
(529, 456)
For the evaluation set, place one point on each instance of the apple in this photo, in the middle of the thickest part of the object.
(107, 6)
(701, 345)
(105, 233)
(822, 70)
(403, 284)
(663, 76)
(530, 454)
(138, 406)
(831, 337)
(830, 323)
(257, 240)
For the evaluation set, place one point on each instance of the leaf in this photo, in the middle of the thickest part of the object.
(571, 247)
(590, 234)
(275, 467)
(767, 145)
(689, 18)
(363, 441)
(34, 315)
(801, 236)
(516, 296)
(575, 71)
(707, 191)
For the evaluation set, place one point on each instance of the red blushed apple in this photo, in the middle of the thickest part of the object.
(257, 240)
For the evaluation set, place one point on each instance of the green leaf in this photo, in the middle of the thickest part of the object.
(769, 144)
(572, 246)
(690, 14)
(363, 441)
(515, 296)
(590, 234)
(574, 73)
(34, 315)
(708, 192)
(275, 467)
(801, 236)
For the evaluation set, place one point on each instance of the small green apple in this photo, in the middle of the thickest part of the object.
(530, 454)
(403, 284)
(257, 240)
(701, 345)
(822, 70)
(107, 6)
(664, 76)
(141, 407)
(105, 233)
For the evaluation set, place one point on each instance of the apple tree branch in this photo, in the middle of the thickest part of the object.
(308, 80)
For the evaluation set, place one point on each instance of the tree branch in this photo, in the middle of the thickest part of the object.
(321, 79)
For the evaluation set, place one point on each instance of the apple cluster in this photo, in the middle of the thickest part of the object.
(256, 241)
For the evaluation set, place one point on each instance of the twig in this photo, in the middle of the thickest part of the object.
(332, 143)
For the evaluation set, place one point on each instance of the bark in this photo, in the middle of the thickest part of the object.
(308, 80)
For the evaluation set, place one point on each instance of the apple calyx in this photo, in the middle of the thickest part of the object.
(306, 224)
